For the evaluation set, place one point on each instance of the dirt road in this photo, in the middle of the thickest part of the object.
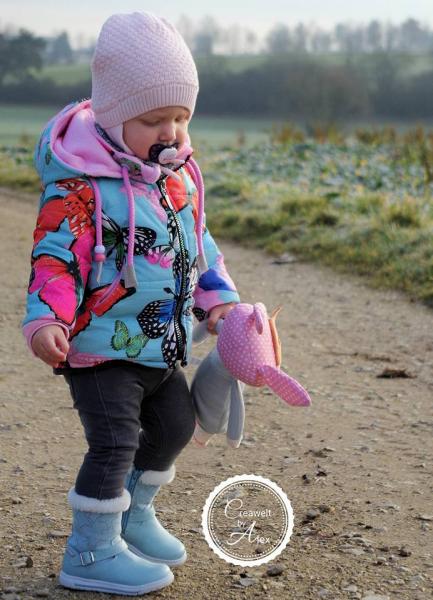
(357, 465)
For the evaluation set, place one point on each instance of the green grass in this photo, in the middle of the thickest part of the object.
(390, 245)
(22, 124)
(65, 74)
(17, 171)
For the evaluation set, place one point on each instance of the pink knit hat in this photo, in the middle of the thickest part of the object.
(141, 62)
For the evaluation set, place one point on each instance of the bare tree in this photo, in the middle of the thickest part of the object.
(321, 41)
(413, 37)
(206, 36)
(349, 39)
(374, 36)
(391, 37)
(278, 40)
(231, 39)
(300, 38)
(186, 28)
(58, 50)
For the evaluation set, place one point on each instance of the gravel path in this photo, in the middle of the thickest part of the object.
(357, 465)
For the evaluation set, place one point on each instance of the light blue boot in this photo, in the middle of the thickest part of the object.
(96, 558)
(141, 529)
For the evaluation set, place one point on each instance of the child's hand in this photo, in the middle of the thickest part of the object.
(218, 312)
(50, 344)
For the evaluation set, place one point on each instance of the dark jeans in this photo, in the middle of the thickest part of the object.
(131, 414)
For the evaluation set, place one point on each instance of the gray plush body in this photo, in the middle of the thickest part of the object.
(218, 401)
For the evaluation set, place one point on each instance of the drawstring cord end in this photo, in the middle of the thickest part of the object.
(130, 277)
(100, 259)
(202, 263)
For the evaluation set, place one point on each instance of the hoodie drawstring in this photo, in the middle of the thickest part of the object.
(130, 277)
(195, 172)
(99, 249)
(128, 270)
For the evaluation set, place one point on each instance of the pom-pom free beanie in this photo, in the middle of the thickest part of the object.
(140, 63)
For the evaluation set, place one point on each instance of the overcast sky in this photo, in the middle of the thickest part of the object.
(46, 17)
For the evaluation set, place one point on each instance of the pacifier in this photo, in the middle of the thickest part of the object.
(169, 157)
(163, 155)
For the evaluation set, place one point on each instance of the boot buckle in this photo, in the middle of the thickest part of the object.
(86, 558)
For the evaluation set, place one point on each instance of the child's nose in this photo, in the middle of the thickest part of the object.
(168, 133)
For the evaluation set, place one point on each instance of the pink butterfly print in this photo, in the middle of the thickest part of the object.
(61, 283)
(50, 218)
(79, 204)
(164, 255)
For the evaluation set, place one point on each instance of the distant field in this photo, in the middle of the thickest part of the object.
(22, 124)
(410, 64)
(63, 74)
(18, 123)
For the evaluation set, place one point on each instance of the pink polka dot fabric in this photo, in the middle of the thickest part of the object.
(287, 388)
(246, 349)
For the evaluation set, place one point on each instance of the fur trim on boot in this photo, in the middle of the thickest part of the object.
(158, 477)
(111, 505)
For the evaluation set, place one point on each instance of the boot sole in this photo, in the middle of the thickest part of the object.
(80, 583)
(171, 563)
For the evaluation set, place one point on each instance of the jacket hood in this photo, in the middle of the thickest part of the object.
(72, 144)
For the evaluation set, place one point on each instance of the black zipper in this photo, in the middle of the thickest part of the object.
(179, 343)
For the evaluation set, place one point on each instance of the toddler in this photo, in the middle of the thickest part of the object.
(121, 259)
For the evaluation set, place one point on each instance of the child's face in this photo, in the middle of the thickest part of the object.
(160, 126)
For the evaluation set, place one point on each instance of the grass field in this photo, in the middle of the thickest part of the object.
(412, 64)
(360, 207)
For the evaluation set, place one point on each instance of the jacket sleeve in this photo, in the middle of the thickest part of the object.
(215, 286)
(61, 256)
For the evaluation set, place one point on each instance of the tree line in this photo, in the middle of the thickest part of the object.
(207, 37)
(284, 84)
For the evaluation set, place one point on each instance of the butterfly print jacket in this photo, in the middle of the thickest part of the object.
(116, 249)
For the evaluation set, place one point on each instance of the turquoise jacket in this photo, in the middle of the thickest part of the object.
(121, 257)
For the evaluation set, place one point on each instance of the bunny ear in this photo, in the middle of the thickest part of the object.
(287, 388)
(256, 317)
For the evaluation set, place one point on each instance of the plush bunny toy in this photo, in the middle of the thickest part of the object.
(248, 351)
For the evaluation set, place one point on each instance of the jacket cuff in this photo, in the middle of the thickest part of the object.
(207, 300)
(31, 328)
